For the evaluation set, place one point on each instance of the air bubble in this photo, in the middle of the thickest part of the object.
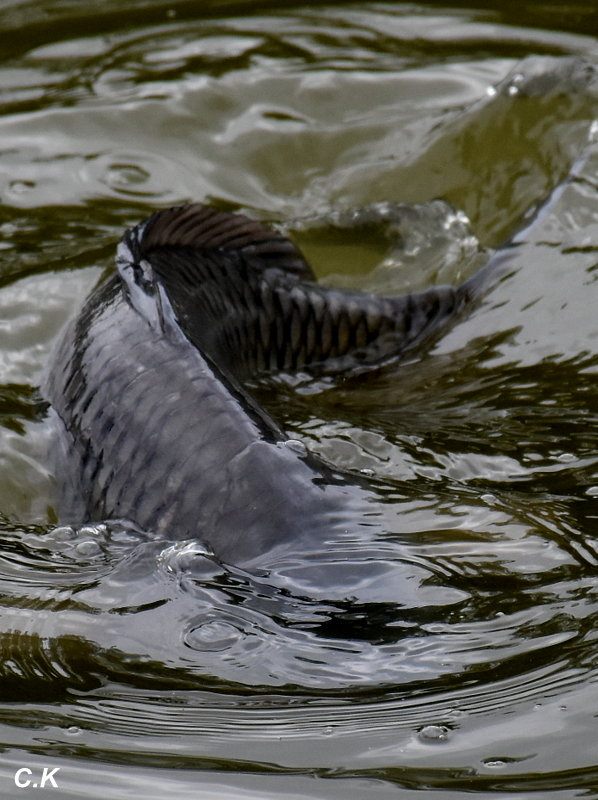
(297, 446)
(87, 548)
(92, 530)
(20, 187)
(514, 85)
(489, 499)
(565, 458)
(212, 636)
(64, 533)
(494, 763)
(192, 558)
(434, 733)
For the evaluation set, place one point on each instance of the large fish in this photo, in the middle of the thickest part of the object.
(148, 381)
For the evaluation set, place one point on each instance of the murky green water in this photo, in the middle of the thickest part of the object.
(471, 667)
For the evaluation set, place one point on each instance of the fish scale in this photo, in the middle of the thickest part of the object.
(148, 382)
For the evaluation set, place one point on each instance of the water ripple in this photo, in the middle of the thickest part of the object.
(448, 646)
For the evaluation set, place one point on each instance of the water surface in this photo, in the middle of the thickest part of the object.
(399, 145)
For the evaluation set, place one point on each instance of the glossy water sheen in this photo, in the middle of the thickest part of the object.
(467, 663)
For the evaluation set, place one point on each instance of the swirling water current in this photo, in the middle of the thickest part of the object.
(399, 145)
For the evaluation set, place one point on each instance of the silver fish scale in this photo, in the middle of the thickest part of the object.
(148, 382)
(164, 441)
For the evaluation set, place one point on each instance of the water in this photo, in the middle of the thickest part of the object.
(468, 664)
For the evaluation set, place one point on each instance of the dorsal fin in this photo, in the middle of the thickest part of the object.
(201, 227)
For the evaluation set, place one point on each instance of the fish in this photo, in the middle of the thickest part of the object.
(151, 382)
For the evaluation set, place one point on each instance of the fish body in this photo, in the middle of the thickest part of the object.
(148, 381)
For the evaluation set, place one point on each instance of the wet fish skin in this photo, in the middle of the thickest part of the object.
(259, 314)
(156, 436)
(147, 383)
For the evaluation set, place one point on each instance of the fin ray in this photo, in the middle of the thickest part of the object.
(201, 227)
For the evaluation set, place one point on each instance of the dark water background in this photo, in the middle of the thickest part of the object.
(469, 665)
